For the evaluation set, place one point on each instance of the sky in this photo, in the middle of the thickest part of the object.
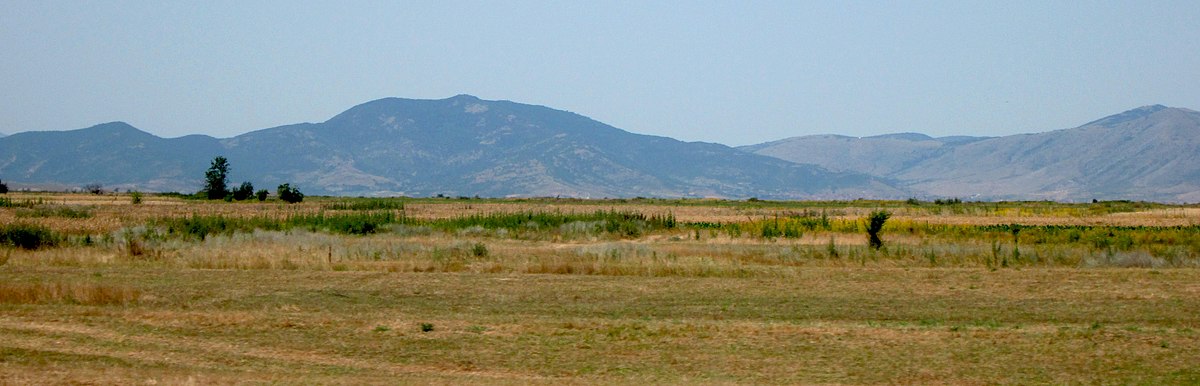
(737, 72)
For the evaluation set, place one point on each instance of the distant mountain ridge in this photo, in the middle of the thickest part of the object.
(1148, 153)
(457, 146)
(880, 155)
(467, 146)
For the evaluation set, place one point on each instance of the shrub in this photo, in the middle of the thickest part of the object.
(27, 236)
(951, 201)
(200, 226)
(874, 224)
(289, 194)
(353, 223)
(3, 187)
(94, 188)
(479, 250)
(135, 198)
(262, 195)
(243, 192)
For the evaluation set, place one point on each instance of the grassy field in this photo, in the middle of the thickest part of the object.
(95, 289)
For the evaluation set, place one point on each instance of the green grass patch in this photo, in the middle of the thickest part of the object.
(27, 236)
(365, 204)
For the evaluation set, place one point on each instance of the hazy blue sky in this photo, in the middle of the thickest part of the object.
(736, 72)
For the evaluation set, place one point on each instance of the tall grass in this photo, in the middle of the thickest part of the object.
(6, 202)
(621, 223)
(202, 226)
(27, 236)
(70, 293)
(61, 211)
(365, 204)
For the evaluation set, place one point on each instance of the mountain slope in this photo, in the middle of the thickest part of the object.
(110, 153)
(456, 146)
(882, 155)
(1148, 153)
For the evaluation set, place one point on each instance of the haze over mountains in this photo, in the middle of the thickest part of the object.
(1149, 153)
(455, 146)
(465, 146)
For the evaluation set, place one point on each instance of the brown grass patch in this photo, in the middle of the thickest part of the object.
(72, 293)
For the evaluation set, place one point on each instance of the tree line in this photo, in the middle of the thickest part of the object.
(216, 186)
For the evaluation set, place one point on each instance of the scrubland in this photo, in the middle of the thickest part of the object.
(96, 289)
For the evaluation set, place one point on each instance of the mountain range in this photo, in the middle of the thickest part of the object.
(460, 146)
(1150, 153)
(466, 146)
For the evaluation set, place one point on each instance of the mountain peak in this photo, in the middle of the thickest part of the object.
(115, 125)
(386, 106)
(1138, 113)
(914, 137)
(116, 128)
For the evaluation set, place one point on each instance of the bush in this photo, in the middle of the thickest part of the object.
(27, 236)
(200, 227)
(479, 250)
(3, 187)
(352, 223)
(951, 201)
(262, 195)
(243, 192)
(874, 224)
(94, 188)
(289, 194)
(135, 198)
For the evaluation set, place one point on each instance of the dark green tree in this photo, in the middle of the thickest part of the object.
(262, 194)
(875, 224)
(216, 179)
(289, 194)
(3, 187)
(243, 192)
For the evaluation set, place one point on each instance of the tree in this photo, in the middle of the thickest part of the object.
(289, 194)
(874, 224)
(262, 195)
(94, 188)
(3, 187)
(245, 191)
(216, 179)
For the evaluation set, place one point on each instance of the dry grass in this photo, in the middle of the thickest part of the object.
(826, 325)
(114, 212)
(70, 293)
(675, 306)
